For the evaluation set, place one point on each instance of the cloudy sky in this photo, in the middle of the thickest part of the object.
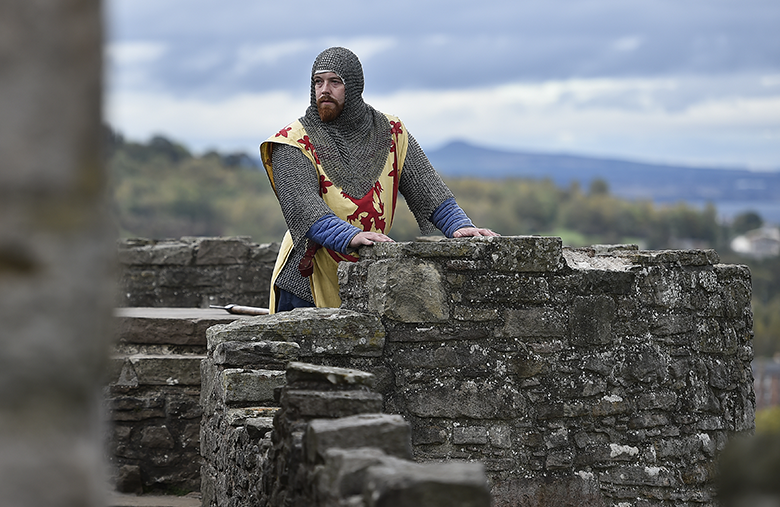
(681, 81)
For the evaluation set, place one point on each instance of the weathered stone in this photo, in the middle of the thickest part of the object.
(476, 400)
(157, 437)
(318, 331)
(179, 326)
(534, 322)
(448, 249)
(579, 489)
(157, 253)
(591, 320)
(166, 369)
(312, 404)
(526, 254)
(343, 475)
(250, 386)
(502, 288)
(411, 291)
(678, 257)
(406, 484)
(222, 250)
(470, 435)
(240, 416)
(308, 376)
(255, 353)
(389, 433)
(620, 365)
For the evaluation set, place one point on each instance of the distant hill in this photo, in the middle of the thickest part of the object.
(631, 180)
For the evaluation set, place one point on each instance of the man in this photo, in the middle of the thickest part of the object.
(337, 172)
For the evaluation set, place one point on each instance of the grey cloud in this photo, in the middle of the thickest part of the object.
(446, 45)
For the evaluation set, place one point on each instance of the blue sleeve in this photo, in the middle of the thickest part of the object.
(448, 217)
(332, 232)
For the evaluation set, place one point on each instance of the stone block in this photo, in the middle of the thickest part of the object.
(240, 416)
(159, 253)
(591, 320)
(259, 427)
(173, 326)
(539, 322)
(399, 483)
(312, 376)
(157, 437)
(264, 253)
(137, 408)
(316, 404)
(470, 248)
(492, 288)
(470, 435)
(222, 251)
(250, 386)
(526, 254)
(343, 473)
(168, 370)
(471, 314)
(470, 399)
(645, 362)
(255, 353)
(417, 358)
(318, 331)
(674, 257)
(127, 479)
(500, 436)
(389, 433)
(407, 291)
(638, 475)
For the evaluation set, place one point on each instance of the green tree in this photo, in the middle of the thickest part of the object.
(746, 221)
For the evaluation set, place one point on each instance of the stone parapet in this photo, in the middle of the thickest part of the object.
(153, 397)
(591, 375)
(598, 376)
(328, 446)
(194, 272)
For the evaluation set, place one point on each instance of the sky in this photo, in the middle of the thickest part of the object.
(694, 82)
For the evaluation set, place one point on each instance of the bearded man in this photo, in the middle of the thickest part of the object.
(337, 172)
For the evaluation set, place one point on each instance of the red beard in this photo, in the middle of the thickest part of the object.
(328, 108)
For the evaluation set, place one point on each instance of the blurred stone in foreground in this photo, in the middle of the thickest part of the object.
(55, 295)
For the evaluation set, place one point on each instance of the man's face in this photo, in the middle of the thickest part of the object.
(329, 91)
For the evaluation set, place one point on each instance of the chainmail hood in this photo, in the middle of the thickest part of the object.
(354, 147)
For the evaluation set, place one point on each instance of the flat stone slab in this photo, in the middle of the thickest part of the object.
(178, 326)
(389, 433)
(309, 376)
(124, 500)
(318, 331)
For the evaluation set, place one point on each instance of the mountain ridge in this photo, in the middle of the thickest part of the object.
(632, 180)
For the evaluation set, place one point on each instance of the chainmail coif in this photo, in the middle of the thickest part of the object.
(354, 147)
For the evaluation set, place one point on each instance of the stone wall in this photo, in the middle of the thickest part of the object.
(194, 272)
(314, 435)
(153, 398)
(597, 376)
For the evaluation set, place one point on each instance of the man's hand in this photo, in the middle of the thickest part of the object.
(467, 232)
(367, 238)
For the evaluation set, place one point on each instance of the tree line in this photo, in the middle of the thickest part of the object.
(161, 190)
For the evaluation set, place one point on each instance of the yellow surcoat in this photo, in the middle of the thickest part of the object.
(371, 212)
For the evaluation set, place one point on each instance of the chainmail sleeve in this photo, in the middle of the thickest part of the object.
(421, 186)
(298, 189)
